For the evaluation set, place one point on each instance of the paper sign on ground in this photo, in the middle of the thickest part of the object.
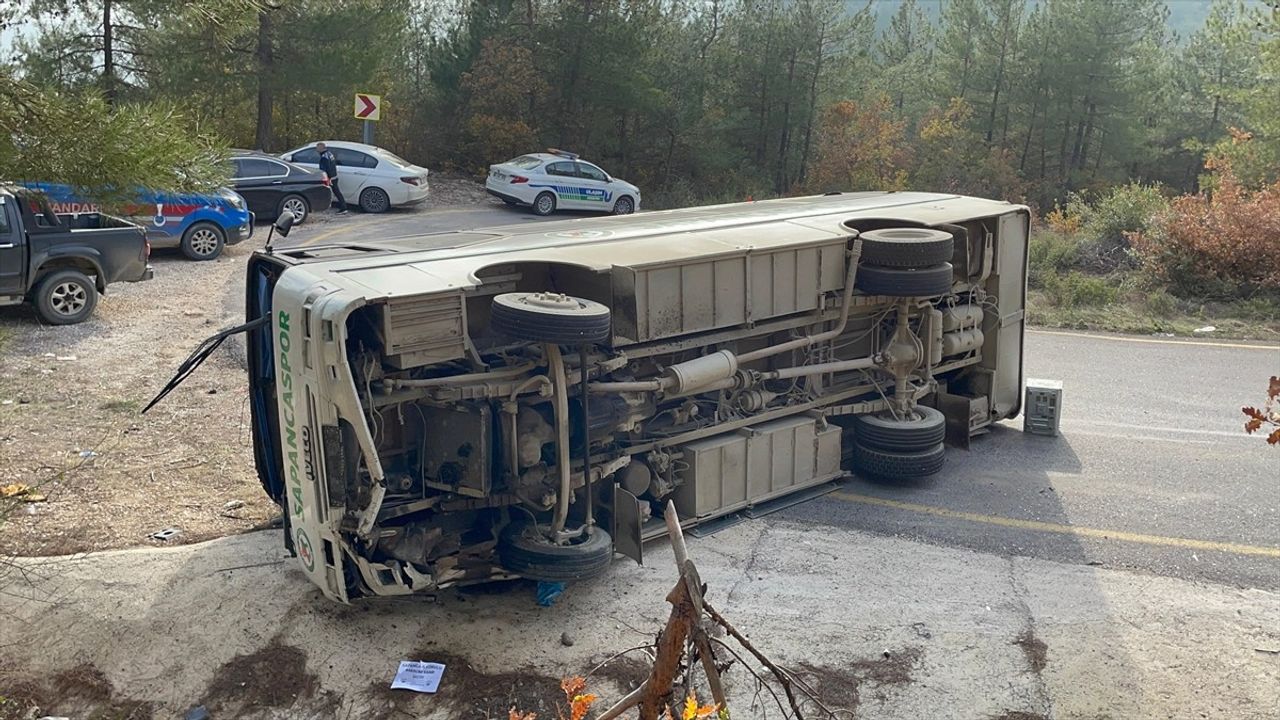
(419, 676)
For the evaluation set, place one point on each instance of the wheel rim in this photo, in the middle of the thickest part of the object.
(377, 201)
(68, 298)
(204, 241)
(545, 204)
(623, 207)
(297, 207)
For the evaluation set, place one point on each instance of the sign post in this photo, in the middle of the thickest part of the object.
(369, 109)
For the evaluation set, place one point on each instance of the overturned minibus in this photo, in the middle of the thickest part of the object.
(521, 401)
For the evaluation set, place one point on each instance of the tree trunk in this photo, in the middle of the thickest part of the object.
(1102, 139)
(108, 55)
(623, 144)
(1062, 150)
(813, 104)
(531, 98)
(1031, 126)
(1044, 150)
(784, 142)
(715, 31)
(575, 69)
(761, 124)
(1217, 103)
(262, 139)
(1087, 136)
(995, 93)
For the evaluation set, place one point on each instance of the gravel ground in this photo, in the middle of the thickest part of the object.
(70, 399)
(448, 191)
(70, 423)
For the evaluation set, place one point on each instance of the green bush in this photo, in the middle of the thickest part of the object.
(1050, 254)
(1258, 309)
(1076, 289)
(1161, 304)
(1106, 223)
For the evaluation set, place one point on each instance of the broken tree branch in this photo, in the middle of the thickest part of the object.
(693, 586)
(745, 643)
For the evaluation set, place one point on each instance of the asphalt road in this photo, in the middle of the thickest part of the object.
(399, 222)
(1152, 471)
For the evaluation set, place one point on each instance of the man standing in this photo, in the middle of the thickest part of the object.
(329, 164)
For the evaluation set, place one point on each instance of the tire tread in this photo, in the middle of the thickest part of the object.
(929, 281)
(898, 465)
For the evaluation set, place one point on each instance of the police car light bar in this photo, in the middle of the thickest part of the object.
(563, 153)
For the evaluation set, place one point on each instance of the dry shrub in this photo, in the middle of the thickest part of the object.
(1216, 244)
(860, 147)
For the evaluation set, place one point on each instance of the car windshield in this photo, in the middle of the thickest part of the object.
(525, 162)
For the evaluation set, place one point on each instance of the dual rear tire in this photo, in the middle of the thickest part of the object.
(900, 449)
(905, 262)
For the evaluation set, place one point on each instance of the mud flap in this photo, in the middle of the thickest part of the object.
(627, 525)
(956, 410)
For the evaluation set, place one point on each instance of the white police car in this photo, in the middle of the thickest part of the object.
(559, 180)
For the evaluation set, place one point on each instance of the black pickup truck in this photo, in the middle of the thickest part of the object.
(61, 263)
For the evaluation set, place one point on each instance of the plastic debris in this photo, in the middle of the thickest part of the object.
(548, 592)
(418, 676)
(88, 454)
(1205, 329)
(165, 534)
(197, 713)
(232, 505)
(66, 358)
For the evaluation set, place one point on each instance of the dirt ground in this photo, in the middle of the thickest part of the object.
(70, 425)
(884, 628)
(70, 399)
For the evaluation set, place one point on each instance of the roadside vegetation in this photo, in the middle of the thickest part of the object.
(1134, 259)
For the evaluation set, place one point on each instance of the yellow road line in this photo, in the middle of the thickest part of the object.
(1047, 527)
(1155, 341)
(325, 234)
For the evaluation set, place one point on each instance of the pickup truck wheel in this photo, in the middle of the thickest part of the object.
(66, 297)
(550, 317)
(375, 200)
(527, 553)
(906, 247)
(544, 204)
(922, 429)
(203, 241)
(898, 465)
(904, 282)
(295, 204)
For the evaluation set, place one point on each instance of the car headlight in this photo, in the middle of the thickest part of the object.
(232, 197)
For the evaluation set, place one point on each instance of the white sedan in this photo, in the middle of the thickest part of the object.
(559, 180)
(369, 176)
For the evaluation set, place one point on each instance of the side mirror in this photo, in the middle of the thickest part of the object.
(284, 223)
